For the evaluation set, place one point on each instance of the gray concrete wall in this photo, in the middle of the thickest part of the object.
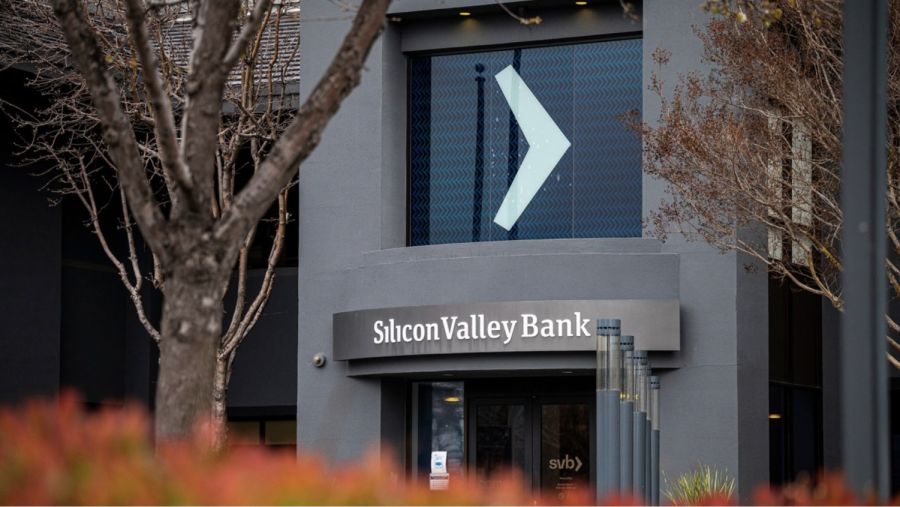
(352, 253)
(721, 403)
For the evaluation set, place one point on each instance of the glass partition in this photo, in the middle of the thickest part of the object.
(501, 442)
(437, 425)
(565, 449)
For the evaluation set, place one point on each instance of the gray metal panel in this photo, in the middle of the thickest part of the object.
(626, 452)
(608, 434)
(501, 327)
(752, 382)
(648, 473)
(477, 365)
(654, 467)
(866, 414)
(640, 454)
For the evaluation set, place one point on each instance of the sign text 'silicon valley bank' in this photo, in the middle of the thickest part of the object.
(476, 327)
(500, 326)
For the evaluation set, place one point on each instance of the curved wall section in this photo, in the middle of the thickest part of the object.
(472, 276)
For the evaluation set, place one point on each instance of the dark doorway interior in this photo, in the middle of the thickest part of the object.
(795, 383)
(542, 428)
(549, 440)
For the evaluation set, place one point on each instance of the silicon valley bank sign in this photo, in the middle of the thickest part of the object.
(454, 328)
(521, 326)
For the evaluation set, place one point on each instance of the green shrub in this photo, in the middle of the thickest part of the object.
(704, 485)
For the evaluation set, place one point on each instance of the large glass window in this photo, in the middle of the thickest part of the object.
(525, 144)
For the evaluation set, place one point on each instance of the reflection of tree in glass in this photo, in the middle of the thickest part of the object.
(500, 439)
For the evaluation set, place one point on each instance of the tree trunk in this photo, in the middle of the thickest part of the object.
(191, 329)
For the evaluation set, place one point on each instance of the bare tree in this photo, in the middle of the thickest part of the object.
(177, 97)
(260, 97)
(763, 12)
(751, 151)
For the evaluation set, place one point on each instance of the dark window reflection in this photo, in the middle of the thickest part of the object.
(795, 374)
(500, 441)
(565, 449)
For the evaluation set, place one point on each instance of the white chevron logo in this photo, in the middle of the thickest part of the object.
(546, 146)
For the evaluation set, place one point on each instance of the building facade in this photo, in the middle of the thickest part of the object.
(416, 208)
(471, 210)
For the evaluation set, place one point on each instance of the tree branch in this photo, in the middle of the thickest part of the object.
(236, 335)
(304, 133)
(204, 90)
(86, 196)
(250, 28)
(117, 131)
(164, 124)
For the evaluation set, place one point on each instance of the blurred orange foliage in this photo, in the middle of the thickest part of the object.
(55, 453)
(829, 489)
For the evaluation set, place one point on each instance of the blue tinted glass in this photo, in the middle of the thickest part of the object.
(553, 114)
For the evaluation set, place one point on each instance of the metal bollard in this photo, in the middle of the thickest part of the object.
(654, 440)
(640, 424)
(609, 379)
(626, 412)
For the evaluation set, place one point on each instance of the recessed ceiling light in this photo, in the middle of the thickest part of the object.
(465, 13)
(452, 399)
(447, 374)
(566, 371)
(580, 3)
(774, 416)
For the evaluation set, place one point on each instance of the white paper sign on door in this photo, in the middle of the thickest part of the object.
(439, 482)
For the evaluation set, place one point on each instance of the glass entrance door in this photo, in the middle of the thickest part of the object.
(502, 430)
(566, 447)
(549, 440)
